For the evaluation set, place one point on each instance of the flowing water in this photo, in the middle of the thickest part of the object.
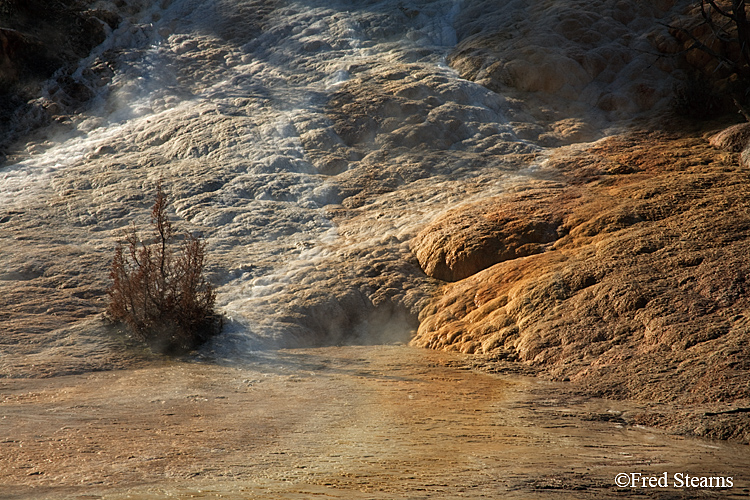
(239, 107)
(229, 103)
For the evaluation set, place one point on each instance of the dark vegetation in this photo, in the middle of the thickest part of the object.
(717, 49)
(161, 293)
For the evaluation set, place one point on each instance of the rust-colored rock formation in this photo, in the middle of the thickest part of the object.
(643, 296)
(476, 236)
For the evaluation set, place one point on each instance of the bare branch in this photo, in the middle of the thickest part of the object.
(718, 9)
(698, 44)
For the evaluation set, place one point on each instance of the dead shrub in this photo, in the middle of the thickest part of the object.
(159, 293)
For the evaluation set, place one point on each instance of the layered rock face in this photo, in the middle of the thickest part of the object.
(39, 40)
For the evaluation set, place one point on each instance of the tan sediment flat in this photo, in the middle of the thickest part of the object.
(338, 422)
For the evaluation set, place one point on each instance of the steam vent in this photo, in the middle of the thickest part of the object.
(521, 222)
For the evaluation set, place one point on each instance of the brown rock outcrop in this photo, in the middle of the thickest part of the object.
(646, 295)
(474, 237)
(734, 138)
